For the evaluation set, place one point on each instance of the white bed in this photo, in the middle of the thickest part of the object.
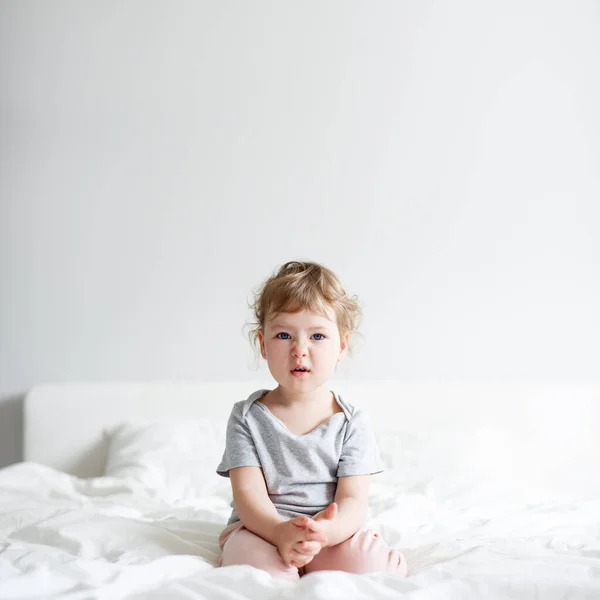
(491, 491)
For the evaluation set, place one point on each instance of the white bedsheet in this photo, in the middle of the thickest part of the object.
(104, 538)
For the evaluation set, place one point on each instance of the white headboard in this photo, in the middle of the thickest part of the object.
(64, 421)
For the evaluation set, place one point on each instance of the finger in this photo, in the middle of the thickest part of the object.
(313, 525)
(299, 560)
(319, 538)
(313, 529)
(331, 511)
(306, 560)
(328, 514)
(290, 559)
(308, 548)
(305, 547)
(301, 522)
(315, 536)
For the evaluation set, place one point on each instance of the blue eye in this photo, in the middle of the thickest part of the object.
(321, 336)
(280, 336)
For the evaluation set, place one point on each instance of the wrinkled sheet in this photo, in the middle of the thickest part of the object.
(107, 538)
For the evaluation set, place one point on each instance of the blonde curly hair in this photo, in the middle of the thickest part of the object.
(300, 286)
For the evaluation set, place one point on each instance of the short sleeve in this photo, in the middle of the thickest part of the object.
(360, 454)
(240, 450)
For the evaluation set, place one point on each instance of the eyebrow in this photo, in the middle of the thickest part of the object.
(285, 326)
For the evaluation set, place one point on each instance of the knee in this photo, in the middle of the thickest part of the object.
(246, 550)
(367, 552)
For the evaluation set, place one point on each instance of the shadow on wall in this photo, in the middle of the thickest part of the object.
(11, 429)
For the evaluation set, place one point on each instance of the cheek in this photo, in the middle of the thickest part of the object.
(273, 350)
(328, 353)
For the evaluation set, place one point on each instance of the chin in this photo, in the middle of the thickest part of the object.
(307, 383)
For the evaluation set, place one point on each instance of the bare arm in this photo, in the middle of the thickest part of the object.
(296, 542)
(352, 498)
(252, 502)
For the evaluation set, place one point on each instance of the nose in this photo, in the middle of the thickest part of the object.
(299, 349)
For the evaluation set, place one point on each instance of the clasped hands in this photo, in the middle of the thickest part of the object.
(300, 539)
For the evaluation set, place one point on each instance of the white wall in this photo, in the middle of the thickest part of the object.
(159, 159)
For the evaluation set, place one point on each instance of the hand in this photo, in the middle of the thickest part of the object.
(299, 540)
(329, 514)
(317, 524)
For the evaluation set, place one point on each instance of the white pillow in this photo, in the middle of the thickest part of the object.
(490, 463)
(176, 461)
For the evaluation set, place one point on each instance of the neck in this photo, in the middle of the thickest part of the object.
(289, 398)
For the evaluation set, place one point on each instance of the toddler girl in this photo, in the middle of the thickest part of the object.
(300, 457)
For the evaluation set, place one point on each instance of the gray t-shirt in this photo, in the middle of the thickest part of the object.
(301, 471)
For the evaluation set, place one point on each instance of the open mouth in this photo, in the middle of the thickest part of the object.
(300, 371)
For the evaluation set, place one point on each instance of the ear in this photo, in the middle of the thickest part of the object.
(344, 346)
(261, 341)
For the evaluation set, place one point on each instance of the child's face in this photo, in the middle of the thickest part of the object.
(302, 338)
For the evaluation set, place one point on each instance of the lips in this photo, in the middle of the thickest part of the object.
(300, 369)
(300, 374)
